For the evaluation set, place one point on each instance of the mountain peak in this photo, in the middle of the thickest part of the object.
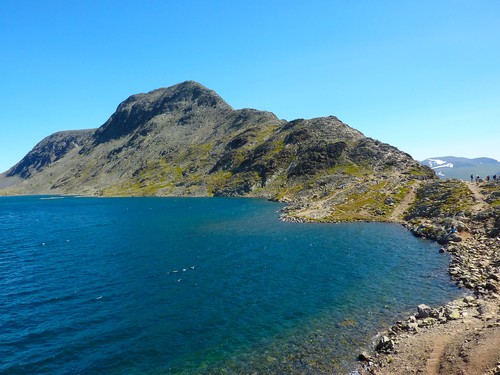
(177, 100)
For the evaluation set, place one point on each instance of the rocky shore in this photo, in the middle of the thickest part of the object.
(462, 337)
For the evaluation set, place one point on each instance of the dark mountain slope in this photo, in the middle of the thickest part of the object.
(48, 151)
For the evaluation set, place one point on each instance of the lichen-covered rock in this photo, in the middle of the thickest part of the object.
(453, 314)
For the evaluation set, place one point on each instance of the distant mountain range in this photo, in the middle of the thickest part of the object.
(463, 168)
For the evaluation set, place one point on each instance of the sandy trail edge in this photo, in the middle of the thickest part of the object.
(470, 345)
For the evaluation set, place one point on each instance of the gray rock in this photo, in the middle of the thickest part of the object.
(364, 357)
(491, 286)
(385, 345)
(453, 314)
(470, 300)
(423, 311)
(484, 309)
(455, 238)
(412, 327)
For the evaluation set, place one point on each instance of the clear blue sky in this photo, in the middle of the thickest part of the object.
(422, 75)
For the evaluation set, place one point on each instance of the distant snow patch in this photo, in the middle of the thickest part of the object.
(437, 163)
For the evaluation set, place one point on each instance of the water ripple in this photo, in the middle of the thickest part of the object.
(151, 285)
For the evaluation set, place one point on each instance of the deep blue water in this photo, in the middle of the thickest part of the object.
(170, 285)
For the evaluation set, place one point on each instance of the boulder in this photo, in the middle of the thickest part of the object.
(364, 357)
(412, 327)
(385, 345)
(453, 314)
(491, 286)
(451, 237)
(469, 300)
(423, 311)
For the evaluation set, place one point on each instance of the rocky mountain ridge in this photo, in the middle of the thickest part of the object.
(185, 140)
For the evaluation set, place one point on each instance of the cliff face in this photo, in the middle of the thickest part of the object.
(186, 141)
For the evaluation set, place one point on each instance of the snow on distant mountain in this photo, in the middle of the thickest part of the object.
(463, 168)
(437, 163)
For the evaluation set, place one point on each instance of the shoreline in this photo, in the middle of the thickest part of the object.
(321, 323)
(416, 344)
(443, 339)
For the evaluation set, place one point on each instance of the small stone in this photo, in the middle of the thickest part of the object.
(429, 321)
(469, 299)
(434, 313)
(494, 276)
(411, 327)
(492, 287)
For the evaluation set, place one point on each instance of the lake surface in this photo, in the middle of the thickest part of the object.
(199, 285)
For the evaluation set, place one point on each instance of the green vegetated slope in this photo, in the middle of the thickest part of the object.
(446, 198)
(186, 141)
(439, 205)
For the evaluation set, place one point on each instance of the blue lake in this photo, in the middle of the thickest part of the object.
(199, 285)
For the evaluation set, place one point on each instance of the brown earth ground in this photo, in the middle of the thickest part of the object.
(468, 345)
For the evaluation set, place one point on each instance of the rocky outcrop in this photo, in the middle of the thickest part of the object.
(441, 211)
(445, 204)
